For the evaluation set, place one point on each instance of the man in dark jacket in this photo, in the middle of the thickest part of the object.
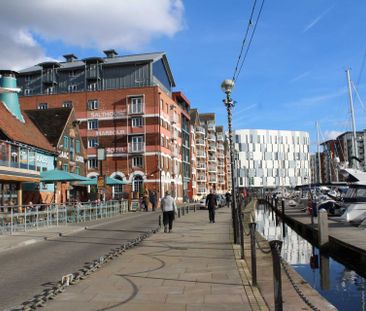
(211, 203)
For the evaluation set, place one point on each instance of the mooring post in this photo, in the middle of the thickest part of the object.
(276, 246)
(323, 237)
(253, 253)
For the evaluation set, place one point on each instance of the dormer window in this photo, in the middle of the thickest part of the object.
(67, 104)
(72, 88)
(27, 92)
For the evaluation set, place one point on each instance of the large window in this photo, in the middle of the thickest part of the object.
(137, 122)
(67, 104)
(136, 105)
(66, 142)
(137, 183)
(137, 161)
(93, 104)
(77, 146)
(92, 142)
(93, 124)
(92, 163)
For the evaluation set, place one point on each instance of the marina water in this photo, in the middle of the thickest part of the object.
(341, 286)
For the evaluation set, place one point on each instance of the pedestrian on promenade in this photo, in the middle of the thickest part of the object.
(153, 200)
(228, 198)
(211, 203)
(169, 208)
(146, 200)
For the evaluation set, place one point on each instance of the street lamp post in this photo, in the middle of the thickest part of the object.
(227, 87)
(101, 157)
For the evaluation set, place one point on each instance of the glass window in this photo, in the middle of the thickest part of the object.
(43, 106)
(93, 124)
(67, 104)
(137, 122)
(92, 163)
(66, 142)
(77, 170)
(65, 167)
(92, 142)
(93, 104)
(136, 105)
(137, 183)
(77, 146)
(137, 162)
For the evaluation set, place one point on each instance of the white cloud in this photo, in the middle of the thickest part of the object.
(331, 135)
(119, 24)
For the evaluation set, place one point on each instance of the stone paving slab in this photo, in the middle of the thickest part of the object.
(192, 268)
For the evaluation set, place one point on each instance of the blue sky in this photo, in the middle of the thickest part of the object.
(293, 76)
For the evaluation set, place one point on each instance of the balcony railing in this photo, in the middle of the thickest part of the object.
(212, 159)
(220, 138)
(212, 180)
(136, 147)
(201, 155)
(201, 166)
(200, 130)
(212, 149)
(200, 142)
(212, 169)
(201, 191)
(201, 178)
(211, 137)
(220, 147)
(211, 127)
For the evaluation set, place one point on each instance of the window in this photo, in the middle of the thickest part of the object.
(137, 162)
(72, 88)
(92, 163)
(65, 167)
(43, 106)
(137, 183)
(27, 92)
(93, 124)
(66, 142)
(50, 90)
(92, 142)
(93, 104)
(77, 170)
(161, 104)
(92, 86)
(137, 122)
(67, 104)
(77, 146)
(136, 105)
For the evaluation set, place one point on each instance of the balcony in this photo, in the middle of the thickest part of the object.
(220, 155)
(211, 127)
(201, 178)
(221, 173)
(200, 130)
(220, 147)
(211, 138)
(212, 159)
(212, 180)
(136, 147)
(212, 149)
(221, 181)
(200, 142)
(212, 169)
(201, 166)
(201, 190)
(220, 138)
(201, 155)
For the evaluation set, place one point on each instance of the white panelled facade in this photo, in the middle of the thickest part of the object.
(273, 158)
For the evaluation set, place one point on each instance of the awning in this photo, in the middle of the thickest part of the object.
(58, 175)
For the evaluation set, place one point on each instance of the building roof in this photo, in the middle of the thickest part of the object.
(26, 133)
(194, 115)
(51, 122)
(207, 116)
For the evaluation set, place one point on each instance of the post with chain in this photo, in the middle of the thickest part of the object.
(159, 221)
(283, 207)
(178, 212)
(276, 246)
(253, 253)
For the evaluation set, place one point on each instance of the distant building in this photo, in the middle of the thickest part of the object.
(273, 158)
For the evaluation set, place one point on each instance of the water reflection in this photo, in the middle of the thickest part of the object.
(343, 287)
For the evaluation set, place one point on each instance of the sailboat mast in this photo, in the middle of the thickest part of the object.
(354, 140)
(318, 152)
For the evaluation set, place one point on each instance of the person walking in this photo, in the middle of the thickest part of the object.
(169, 208)
(211, 203)
(146, 200)
(153, 200)
(228, 198)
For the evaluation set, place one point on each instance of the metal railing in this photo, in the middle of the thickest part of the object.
(25, 218)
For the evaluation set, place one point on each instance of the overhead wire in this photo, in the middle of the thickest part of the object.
(250, 23)
(250, 40)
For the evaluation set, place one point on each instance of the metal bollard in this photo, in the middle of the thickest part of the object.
(187, 209)
(159, 221)
(253, 253)
(194, 208)
(276, 246)
(183, 211)
(178, 212)
(283, 207)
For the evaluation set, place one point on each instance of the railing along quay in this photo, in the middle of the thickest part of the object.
(24, 218)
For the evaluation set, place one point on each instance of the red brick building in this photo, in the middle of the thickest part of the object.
(124, 104)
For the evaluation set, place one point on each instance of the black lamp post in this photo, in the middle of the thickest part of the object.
(227, 87)
(101, 156)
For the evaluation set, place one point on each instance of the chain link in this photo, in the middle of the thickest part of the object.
(284, 265)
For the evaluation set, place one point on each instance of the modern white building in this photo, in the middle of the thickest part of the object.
(272, 158)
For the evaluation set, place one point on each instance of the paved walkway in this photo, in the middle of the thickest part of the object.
(192, 268)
